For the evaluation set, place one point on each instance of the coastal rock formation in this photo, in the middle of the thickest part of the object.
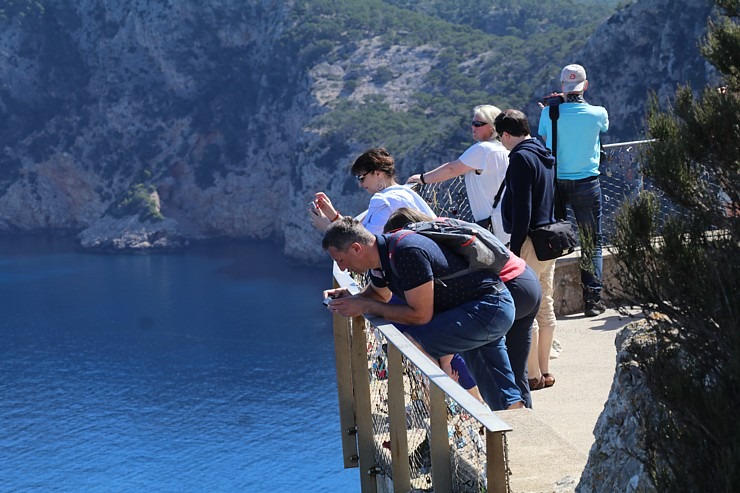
(130, 234)
(236, 113)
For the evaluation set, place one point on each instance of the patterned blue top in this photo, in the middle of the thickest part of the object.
(419, 260)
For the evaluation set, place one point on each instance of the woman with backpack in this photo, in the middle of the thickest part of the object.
(524, 286)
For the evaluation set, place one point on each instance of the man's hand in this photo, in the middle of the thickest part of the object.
(414, 179)
(350, 306)
(337, 293)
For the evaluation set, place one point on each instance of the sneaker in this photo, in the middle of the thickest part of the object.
(594, 308)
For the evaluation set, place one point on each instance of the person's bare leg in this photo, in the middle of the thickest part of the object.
(476, 393)
(546, 335)
(445, 362)
(533, 360)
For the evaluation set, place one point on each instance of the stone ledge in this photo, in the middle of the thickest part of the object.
(568, 295)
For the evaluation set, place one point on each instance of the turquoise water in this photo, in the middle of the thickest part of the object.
(205, 371)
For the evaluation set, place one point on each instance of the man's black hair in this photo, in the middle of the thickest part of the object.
(512, 121)
(345, 231)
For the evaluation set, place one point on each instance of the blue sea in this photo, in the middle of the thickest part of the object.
(210, 370)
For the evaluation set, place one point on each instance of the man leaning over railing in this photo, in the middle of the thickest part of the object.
(469, 314)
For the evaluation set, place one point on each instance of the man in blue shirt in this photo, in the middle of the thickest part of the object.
(578, 149)
(468, 314)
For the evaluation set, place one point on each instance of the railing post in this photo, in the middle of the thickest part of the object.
(497, 475)
(397, 418)
(344, 389)
(363, 406)
(439, 442)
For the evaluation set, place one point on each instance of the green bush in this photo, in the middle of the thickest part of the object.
(685, 272)
(138, 201)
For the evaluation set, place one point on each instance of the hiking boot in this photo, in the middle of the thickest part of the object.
(594, 308)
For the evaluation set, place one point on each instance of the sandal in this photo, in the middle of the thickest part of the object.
(549, 379)
(537, 383)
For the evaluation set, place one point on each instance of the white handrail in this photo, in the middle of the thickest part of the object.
(622, 144)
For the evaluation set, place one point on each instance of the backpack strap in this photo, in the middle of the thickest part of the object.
(393, 244)
(497, 198)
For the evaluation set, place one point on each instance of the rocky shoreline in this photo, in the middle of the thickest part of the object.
(129, 234)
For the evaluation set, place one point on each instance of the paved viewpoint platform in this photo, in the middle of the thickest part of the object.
(549, 444)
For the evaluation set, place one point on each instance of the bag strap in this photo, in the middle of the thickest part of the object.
(497, 198)
(558, 206)
(398, 236)
(395, 238)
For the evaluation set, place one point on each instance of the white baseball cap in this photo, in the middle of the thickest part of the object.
(573, 78)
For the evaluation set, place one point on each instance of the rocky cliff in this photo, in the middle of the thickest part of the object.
(617, 460)
(648, 46)
(234, 113)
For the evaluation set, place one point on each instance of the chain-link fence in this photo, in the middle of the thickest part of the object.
(465, 433)
(621, 180)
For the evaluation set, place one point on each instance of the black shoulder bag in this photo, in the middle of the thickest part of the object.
(557, 239)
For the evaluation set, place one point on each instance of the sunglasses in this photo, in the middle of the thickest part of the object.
(361, 177)
(477, 123)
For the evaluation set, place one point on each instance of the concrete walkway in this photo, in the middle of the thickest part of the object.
(549, 444)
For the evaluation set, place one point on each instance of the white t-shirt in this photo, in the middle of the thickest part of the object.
(387, 201)
(491, 159)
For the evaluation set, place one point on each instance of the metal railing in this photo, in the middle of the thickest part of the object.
(621, 180)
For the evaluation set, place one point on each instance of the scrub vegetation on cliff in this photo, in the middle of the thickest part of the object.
(689, 280)
(496, 52)
(227, 107)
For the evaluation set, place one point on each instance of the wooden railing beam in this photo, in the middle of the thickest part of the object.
(439, 441)
(397, 422)
(497, 474)
(344, 389)
(363, 406)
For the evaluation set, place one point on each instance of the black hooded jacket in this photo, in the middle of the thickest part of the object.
(530, 191)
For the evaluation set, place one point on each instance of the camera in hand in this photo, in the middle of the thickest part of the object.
(553, 99)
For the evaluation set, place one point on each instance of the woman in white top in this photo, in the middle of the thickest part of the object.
(484, 165)
(375, 170)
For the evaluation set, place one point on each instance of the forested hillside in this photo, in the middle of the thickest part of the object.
(470, 57)
(196, 119)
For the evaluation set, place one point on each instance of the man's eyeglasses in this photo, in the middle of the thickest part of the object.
(477, 123)
(361, 177)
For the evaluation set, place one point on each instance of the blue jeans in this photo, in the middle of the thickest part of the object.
(584, 198)
(476, 330)
(527, 294)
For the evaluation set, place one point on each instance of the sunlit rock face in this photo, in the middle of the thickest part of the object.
(229, 114)
(649, 46)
